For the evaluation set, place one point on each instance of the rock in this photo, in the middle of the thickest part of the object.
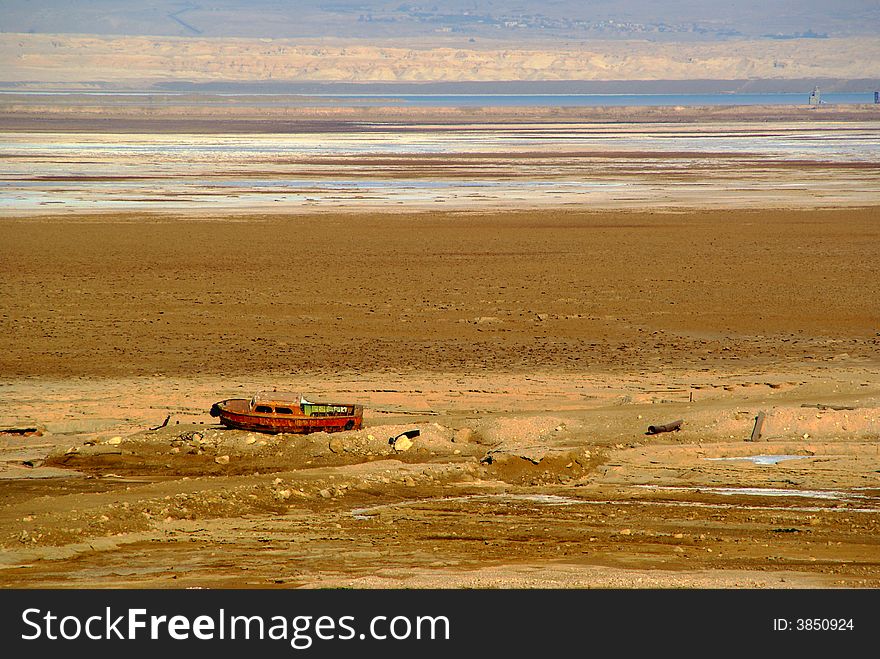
(402, 444)
(371, 438)
(463, 435)
(409, 481)
(278, 481)
(336, 445)
(250, 440)
(325, 494)
(174, 450)
(115, 441)
(222, 459)
(625, 531)
(541, 316)
(282, 495)
(456, 452)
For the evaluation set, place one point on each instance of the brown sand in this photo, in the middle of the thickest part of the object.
(560, 291)
(531, 349)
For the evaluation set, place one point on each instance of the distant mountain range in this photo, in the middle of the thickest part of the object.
(652, 20)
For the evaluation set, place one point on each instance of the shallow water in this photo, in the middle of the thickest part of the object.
(762, 459)
(391, 99)
(854, 503)
(534, 165)
(835, 495)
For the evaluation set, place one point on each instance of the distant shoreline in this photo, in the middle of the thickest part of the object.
(509, 87)
(211, 114)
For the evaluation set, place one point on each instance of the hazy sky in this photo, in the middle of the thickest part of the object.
(478, 19)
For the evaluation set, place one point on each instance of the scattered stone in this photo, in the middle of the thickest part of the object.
(115, 441)
(402, 444)
(222, 459)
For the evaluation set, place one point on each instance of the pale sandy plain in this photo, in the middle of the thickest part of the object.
(531, 343)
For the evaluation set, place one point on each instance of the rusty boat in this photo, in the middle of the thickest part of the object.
(282, 412)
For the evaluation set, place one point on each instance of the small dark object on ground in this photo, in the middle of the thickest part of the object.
(822, 406)
(666, 427)
(409, 434)
(163, 424)
(756, 431)
(23, 432)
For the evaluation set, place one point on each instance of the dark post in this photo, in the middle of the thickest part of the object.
(756, 431)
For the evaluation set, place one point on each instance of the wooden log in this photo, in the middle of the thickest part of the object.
(163, 424)
(21, 432)
(666, 427)
(756, 431)
(822, 406)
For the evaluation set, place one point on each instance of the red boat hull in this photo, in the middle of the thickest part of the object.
(245, 419)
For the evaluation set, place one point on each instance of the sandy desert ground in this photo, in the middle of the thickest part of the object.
(531, 348)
